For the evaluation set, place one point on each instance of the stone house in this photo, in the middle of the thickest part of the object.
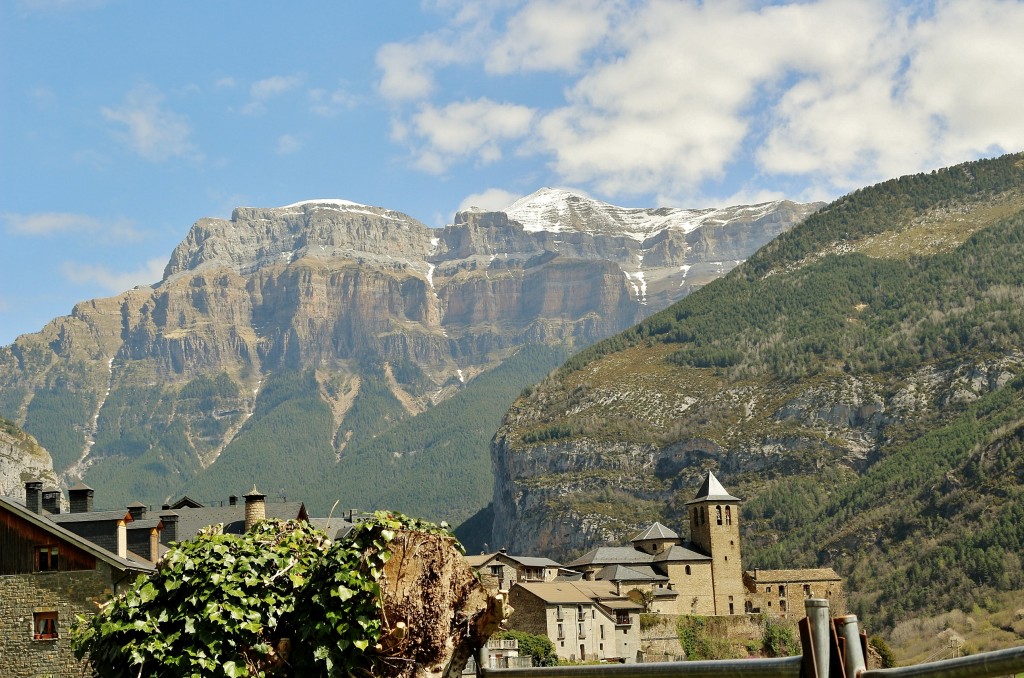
(499, 571)
(704, 575)
(48, 575)
(782, 592)
(586, 620)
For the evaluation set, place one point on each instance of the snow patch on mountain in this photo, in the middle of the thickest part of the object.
(556, 210)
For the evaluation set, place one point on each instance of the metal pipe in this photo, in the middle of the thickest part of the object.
(987, 665)
(785, 667)
(853, 658)
(816, 610)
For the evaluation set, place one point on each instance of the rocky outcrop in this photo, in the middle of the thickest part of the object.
(564, 496)
(22, 460)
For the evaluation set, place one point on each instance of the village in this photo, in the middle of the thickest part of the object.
(612, 604)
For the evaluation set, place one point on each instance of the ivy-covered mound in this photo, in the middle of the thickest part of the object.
(394, 598)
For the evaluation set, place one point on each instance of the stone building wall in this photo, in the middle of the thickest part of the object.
(66, 593)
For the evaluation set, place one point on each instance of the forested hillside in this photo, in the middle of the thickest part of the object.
(858, 382)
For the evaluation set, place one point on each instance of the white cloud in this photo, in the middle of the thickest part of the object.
(467, 129)
(226, 82)
(407, 69)
(288, 144)
(329, 103)
(112, 281)
(492, 200)
(551, 35)
(674, 97)
(152, 131)
(262, 91)
(52, 223)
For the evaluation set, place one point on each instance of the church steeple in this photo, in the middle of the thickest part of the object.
(715, 529)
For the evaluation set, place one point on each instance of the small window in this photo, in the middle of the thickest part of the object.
(718, 515)
(687, 569)
(782, 591)
(46, 558)
(807, 590)
(45, 625)
(728, 515)
(782, 606)
(767, 589)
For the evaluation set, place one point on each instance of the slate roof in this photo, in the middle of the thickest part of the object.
(580, 593)
(145, 524)
(45, 522)
(91, 516)
(191, 520)
(786, 576)
(712, 490)
(526, 561)
(611, 555)
(656, 531)
(531, 561)
(676, 553)
(622, 573)
(335, 528)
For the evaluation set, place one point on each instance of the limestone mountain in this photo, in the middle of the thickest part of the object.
(307, 348)
(858, 382)
(22, 459)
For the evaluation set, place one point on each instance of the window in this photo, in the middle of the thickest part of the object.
(622, 618)
(45, 625)
(718, 514)
(46, 558)
(728, 515)
(496, 570)
(602, 631)
(807, 590)
(687, 569)
(561, 632)
(581, 632)
(782, 591)
(782, 606)
(767, 589)
(559, 615)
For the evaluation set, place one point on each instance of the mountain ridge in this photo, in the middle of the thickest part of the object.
(336, 321)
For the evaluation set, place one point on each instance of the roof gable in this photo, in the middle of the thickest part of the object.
(44, 522)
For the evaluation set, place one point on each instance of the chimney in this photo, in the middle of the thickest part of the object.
(122, 538)
(154, 545)
(137, 509)
(170, 531)
(233, 500)
(255, 507)
(51, 500)
(33, 496)
(81, 498)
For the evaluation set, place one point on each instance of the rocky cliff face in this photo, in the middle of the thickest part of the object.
(21, 460)
(162, 379)
(564, 496)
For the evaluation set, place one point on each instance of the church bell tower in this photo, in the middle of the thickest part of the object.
(715, 530)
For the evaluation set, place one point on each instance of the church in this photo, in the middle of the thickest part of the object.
(705, 576)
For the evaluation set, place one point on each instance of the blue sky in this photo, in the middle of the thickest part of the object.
(122, 123)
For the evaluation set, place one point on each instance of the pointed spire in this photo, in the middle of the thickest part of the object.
(712, 490)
